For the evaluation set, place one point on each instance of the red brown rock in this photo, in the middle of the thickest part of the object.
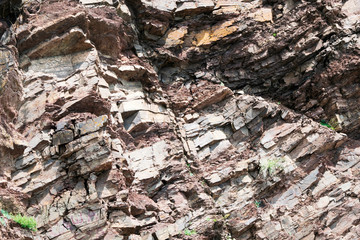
(200, 119)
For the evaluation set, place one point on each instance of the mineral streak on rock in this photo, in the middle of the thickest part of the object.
(180, 119)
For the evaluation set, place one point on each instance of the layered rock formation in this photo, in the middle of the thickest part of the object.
(154, 120)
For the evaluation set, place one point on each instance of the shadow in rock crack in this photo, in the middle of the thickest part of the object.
(10, 10)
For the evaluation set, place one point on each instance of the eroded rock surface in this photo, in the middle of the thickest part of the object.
(180, 119)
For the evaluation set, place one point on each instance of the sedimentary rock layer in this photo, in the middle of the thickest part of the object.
(154, 120)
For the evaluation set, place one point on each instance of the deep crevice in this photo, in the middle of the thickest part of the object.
(10, 10)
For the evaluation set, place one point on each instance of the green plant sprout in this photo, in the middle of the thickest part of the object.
(229, 237)
(2, 221)
(189, 232)
(274, 34)
(257, 203)
(324, 123)
(211, 219)
(25, 222)
(226, 216)
(271, 165)
(189, 169)
(5, 214)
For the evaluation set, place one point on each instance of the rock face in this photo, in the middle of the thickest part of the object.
(154, 120)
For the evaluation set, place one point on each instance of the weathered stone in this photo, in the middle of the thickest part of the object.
(146, 162)
(175, 37)
(217, 96)
(206, 37)
(252, 113)
(348, 158)
(94, 157)
(126, 225)
(304, 231)
(80, 143)
(263, 15)
(211, 120)
(288, 198)
(45, 177)
(181, 82)
(292, 142)
(114, 108)
(128, 72)
(240, 226)
(113, 235)
(192, 129)
(85, 219)
(272, 230)
(238, 123)
(70, 42)
(198, 6)
(191, 117)
(310, 179)
(26, 161)
(309, 145)
(38, 142)
(219, 177)
(351, 7)
(34, 89)
(91, 125)
(168, 6)
(163, 234)
(139, 204)
(60, 229)
(327, 180)
(63, 66)
(62, 137)
(123, 11)
(32, 110)
(271, 136)
(108, 184)
(96, 2)
(78, 196)
(104, 92)
(209, 138)
(139, 105)
(141, 120)
(323, 202)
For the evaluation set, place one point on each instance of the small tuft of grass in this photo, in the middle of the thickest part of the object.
(324, 123)
(229, 237)
(189, 232)
(226, 216)
(25, 222)
(5, 214)
(189, 169)
(257, 203)
(2, 221)
(269, 166)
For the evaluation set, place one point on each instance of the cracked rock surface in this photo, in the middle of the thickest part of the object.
(196, 119)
